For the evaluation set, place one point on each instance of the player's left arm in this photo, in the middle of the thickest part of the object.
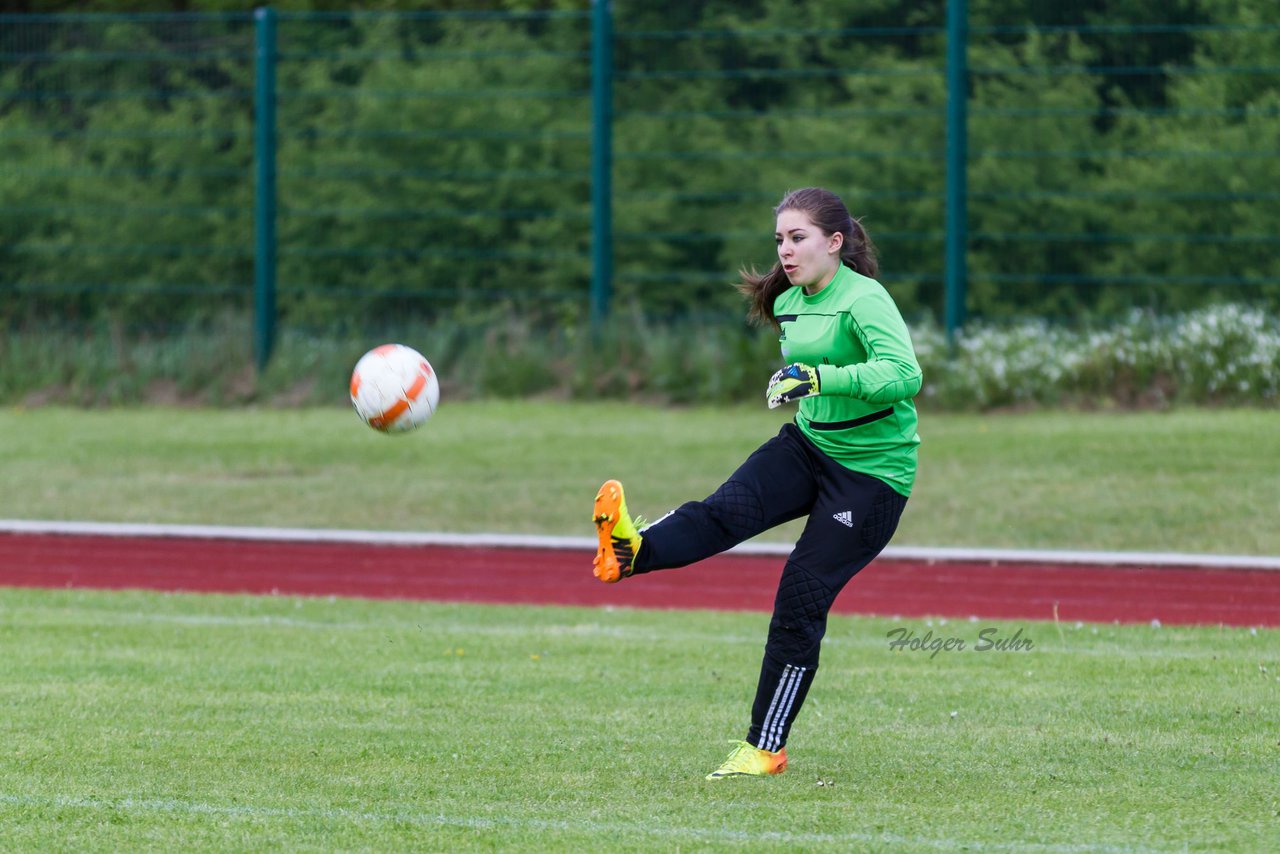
(891, 372)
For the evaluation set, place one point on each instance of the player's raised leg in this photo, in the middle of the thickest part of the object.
(775, 484)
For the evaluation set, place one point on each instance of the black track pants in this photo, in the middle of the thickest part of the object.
(852, 517)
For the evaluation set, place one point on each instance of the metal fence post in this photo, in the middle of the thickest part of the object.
(601, 161)
(957, 215)
(264, 207)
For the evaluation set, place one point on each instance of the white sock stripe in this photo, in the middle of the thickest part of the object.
(773, 707)
(788, 687)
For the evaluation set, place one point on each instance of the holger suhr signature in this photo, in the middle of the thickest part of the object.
(989, 640)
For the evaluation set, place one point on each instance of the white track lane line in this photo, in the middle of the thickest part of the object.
(530, 541)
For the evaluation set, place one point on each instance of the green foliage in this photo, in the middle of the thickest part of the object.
(406, 181)
(1217, 355)
(128, 159)
(1117, 157)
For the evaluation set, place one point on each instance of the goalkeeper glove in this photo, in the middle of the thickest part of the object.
(792, 383)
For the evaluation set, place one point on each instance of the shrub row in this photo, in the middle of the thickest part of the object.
(1227, 354)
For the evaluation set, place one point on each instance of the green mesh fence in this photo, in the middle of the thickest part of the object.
(1123, 164)
(125, 166)
(432, 159)
(433, 163)
(715, 124)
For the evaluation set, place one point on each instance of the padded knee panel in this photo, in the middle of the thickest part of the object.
(736, 508)
(799, 617)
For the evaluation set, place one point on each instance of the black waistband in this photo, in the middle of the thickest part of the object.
(856, 422)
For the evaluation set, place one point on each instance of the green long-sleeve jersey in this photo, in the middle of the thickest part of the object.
(863, 416)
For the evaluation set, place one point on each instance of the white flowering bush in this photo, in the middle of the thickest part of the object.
(1226, 354)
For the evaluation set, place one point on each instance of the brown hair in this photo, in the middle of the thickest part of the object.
(830, 215)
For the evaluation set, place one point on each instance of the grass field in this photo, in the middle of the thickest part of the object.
(145, 721)
(1191, 480)
(142, 721)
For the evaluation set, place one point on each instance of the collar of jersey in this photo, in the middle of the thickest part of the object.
(841, 274)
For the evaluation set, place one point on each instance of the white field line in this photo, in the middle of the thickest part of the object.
(531, 541)
(606, 830)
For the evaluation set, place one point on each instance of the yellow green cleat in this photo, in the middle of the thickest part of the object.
(619, 539)
(747, 760)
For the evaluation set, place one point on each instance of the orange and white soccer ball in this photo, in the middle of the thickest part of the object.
(394, 388)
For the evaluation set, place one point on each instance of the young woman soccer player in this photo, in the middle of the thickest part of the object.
(847, 462)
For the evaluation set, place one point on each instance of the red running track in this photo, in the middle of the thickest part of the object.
(906, 588)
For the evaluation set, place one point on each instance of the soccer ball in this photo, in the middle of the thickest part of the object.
(394, 389)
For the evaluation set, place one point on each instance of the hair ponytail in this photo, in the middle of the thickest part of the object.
(829, 214)
(858, 252)
(761, 289)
